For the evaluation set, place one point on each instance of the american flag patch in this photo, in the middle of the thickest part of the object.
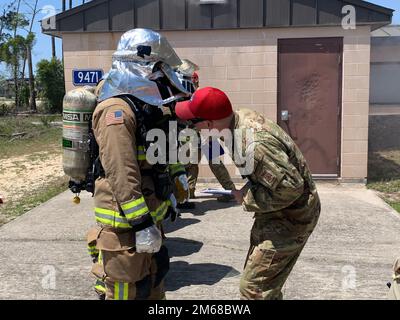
(114, 117)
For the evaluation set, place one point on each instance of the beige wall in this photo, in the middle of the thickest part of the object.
(243, 63)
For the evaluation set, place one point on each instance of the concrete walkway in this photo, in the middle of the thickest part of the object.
(350, 255)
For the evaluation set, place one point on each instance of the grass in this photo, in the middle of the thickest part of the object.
(395, 205)
(39, 143)
(384, 176)
(37, 138)
(36, 197)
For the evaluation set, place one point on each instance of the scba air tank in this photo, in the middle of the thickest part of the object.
(78, 107)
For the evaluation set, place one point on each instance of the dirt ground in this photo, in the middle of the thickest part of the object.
(21, 176)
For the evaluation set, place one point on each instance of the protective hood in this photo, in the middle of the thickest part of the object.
(187, 68)
(132, 71)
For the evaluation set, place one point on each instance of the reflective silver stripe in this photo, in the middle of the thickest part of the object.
(110, 217)
(121, 291)
(136, 208)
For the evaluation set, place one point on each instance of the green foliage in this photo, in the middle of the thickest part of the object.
(50, 75)
(47, 120)
(38, 137)
(24, 95)
(9, 21)
(386, 186)
(384, 175)
(396, 206)
(4, 109)
(12, 48)
(13, 51)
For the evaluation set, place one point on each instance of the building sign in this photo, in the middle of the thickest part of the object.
(86, 77)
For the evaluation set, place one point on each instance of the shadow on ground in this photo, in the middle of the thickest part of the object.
(180, 247)
(208, 204)
(183, 274)
(178, 224)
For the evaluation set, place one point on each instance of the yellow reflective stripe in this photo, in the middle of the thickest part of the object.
(140, 153)
(132, 204)
(121, 290)
(160, 212)
(135, 208)
(176, 167)
(126, 288)
(100, 259)
(93, 251)
(100, 286)
(116, 291)
(137, 213)
(100, 289)
(114, 224)
(111, 218)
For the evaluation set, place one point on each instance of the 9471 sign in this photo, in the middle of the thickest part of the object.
(86, 77)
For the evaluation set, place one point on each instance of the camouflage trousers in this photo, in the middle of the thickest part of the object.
(271, 258)
(219, 170)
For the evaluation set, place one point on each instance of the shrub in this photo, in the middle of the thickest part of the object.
(50, 75)
(5, 109)
(24, 95)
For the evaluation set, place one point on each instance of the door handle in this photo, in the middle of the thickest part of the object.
(285, 115)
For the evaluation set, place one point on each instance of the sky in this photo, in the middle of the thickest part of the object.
(42, 49)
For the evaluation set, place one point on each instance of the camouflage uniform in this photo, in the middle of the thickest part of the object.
(218, 169)
(285, 201)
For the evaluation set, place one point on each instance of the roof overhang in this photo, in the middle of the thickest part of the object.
(123, 15)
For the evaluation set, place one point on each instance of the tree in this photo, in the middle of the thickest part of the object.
(13, 53)
(29, 45)
(13, 45)
(50, 75)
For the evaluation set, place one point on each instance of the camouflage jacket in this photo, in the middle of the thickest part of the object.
(281, 181)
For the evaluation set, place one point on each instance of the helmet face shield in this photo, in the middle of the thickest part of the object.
(137, 63)
(185, 73)
(174, 79)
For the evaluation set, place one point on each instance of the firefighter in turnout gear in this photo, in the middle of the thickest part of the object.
(188, 70)
(280, 190)
(133, 197)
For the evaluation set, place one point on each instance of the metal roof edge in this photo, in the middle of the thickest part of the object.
(371, 6)
(94, 3)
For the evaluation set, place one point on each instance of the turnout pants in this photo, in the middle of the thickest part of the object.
(123, 274)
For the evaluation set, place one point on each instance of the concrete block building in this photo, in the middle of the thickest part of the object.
(295, 61)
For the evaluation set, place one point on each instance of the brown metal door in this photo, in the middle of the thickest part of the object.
(309, 99)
